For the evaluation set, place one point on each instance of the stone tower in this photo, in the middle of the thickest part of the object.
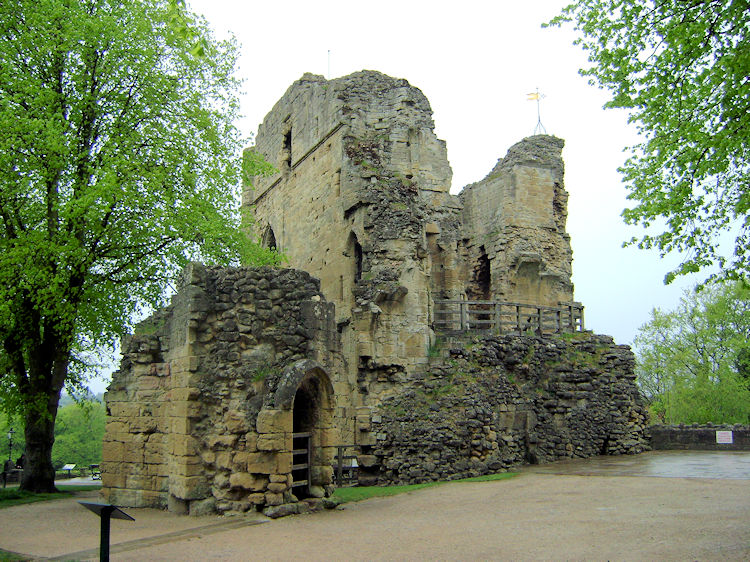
(362, 201)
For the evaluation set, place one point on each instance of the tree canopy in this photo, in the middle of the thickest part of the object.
(682, 70)
(692, 361)
(119, 163)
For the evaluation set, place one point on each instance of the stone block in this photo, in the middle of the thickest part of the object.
(199, 508)
(189, 487)
(177, 506)
(271, 442)
(257, 498)
(224, 459)
(274, 421)
(317, 491)
(274, 511)
(235, 421)
(253, 482)
(148, 382)
(217, 442)
(143, 424)
(185, 409)
(265, 463)
(186, 466)
(133, 453)
(117, 427)
(139, 482)
(367, 461)
(321, 474)
(113, 480)
(277, 487)
(184, 445)
(113, 451)
(183, 426)
(185, 394)
(273, 498)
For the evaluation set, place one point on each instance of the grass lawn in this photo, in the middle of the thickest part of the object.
(14, 496)
(359, 493)
(10, 557)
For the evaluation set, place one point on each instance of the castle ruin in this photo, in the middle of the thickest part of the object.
(414, 327)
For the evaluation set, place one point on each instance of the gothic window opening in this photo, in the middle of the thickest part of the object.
(354, 250)
(269, 239)
(286, 148)
(479, 287)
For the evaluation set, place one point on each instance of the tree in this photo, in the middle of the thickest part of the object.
(79, 431)
(690, 361)
(682, 70)
(119, 162)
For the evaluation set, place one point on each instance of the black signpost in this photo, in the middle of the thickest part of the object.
(106, 512)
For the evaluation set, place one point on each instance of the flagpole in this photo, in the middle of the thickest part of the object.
(539, 129)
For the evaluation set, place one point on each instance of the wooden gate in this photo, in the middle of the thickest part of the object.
(301, 460)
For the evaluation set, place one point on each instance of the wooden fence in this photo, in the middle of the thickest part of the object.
(506, 317)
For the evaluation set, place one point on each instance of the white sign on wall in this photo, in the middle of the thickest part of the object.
(724, 437)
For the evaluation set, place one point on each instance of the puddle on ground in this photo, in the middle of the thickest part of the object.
(664, 464)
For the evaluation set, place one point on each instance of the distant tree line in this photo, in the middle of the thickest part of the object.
(79, 432)
(693, 363)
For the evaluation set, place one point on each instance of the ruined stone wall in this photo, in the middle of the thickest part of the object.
(501, 401)
(203, 413)
(200, 413)
(362, 184)
(699, 437)
(516, 218)
(361, 200)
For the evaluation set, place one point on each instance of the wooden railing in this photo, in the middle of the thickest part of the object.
(506, 317)
(345, 467)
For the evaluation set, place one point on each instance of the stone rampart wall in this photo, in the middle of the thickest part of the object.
(501, 401)
(699, 437)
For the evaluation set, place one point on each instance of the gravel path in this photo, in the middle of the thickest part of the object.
(535, 516)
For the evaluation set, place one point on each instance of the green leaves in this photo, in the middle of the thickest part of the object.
(691, 362)
(119, 163)
(682, 69)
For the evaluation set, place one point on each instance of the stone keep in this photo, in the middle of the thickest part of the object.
(361, 201)
(218, 393)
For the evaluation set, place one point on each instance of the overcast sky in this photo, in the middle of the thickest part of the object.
(476, 62)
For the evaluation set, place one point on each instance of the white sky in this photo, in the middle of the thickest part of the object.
(475, 61)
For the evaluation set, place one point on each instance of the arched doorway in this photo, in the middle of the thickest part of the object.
(312, 416)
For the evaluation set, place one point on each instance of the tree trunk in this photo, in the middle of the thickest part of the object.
(39, 474)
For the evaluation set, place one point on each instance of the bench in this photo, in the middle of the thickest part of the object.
(96, 472)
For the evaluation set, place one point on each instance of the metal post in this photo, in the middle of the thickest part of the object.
(340, 467)
(104, 535)
(10, 443)
(309, 462)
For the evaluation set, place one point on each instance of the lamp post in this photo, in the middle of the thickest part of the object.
(10, 453)
(10, 443)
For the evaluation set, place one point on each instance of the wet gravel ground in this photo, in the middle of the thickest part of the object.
(664, 464)
(656, 506)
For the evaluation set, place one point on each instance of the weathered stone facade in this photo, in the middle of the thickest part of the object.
(217, 393)
(362, 201)
(200, 414)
